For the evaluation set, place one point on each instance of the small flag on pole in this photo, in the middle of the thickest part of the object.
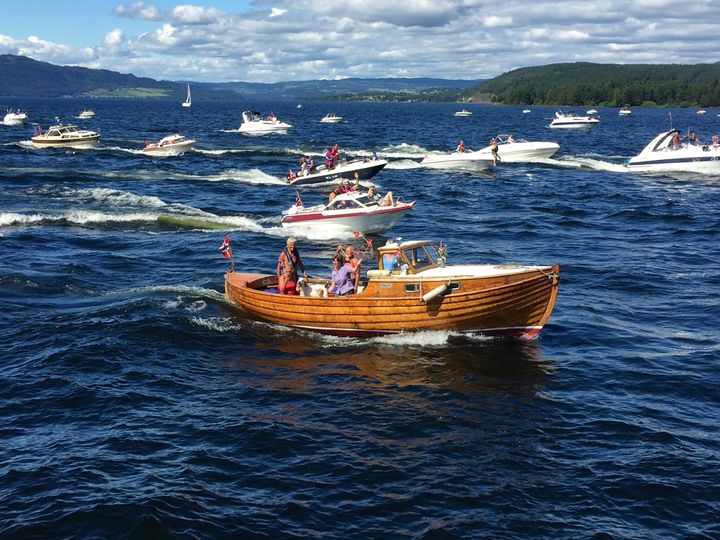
(298, 200)
(225, 247)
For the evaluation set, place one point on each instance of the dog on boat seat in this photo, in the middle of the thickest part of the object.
(311, 289)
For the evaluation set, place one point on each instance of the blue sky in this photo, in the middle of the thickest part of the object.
(280, 40)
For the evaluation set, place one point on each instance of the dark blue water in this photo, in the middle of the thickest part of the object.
(135, 403)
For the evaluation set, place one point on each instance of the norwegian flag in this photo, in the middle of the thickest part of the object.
(298, 200)
(225, 247)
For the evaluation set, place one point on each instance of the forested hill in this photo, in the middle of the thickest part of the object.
(22, 76)
(610, 85)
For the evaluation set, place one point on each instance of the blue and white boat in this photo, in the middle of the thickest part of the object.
(569, 120)
(667, 152)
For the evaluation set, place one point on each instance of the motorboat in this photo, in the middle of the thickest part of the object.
(700, 111)
(86, 113)
(668, 152)
(171, 145)
(60, 135)
(591, 111)
(511, 150)
(463, 112)
(625, 111)
(14, 117)
(255, 124)
(412, 289)
(526, 111)
(350, 211)
(331, 118)
(570, 121)
(365, 169)
(458, 160)
(188, 98)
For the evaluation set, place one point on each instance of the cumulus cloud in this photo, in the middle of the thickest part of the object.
(274, 40)
(138, 10)
(187, 14)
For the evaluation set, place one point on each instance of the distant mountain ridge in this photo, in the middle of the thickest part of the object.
(25, 77)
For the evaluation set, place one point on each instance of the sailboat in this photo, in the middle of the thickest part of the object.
(188, 99)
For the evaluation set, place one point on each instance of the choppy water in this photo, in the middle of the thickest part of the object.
(135, 403)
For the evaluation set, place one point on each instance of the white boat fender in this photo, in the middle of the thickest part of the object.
(437, 291)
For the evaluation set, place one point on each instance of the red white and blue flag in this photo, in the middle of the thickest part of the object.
(225, 247)
(298, 200)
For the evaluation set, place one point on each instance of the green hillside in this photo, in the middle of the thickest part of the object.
(612, 85)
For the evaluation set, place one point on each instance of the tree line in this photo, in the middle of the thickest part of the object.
(608, 85)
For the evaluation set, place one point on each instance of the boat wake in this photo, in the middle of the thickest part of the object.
(579, 162)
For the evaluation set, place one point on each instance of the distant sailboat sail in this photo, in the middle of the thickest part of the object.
(188, 99)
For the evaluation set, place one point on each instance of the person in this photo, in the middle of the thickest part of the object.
(331, 157)
(354, 263)
(510, 138)
(342, 282)
(356, 185)
(334, 192)
(715, 141)
(675, 140)
(303, 166)
(388, 199)
(372, 193)
(310, 163)
(286, 284)
(494, 151)
(692, 138)
(291, 175)
(460, 146)
(289, 258)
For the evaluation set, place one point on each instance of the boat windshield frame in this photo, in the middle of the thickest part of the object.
(417, 257)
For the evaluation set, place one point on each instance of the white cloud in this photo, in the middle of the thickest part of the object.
(113, 38)
(187, 14)
(138, 10)
(310, 39)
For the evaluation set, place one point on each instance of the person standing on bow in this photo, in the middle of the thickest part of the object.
(289, 258)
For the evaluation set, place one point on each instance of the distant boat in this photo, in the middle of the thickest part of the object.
(188, 99)
(86, 113)
(525, 111)
(625, 111)
(701, 111)
(569, 120)
(591, 111)
(299, 106)
(331, 118)
(464, 112)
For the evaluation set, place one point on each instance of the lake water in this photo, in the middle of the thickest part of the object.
(135, 402)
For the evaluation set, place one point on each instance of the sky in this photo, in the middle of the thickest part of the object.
(285, 40)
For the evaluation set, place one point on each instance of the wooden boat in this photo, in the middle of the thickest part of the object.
(411, 290)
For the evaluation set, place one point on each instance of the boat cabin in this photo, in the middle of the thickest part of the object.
(407, 258)
(63, 131)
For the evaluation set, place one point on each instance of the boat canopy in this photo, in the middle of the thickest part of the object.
(409, 257)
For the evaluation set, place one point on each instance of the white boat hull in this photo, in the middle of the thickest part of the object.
(345, 170)
(458, 160)
(367, 222)
(523, 151)
(169, 150)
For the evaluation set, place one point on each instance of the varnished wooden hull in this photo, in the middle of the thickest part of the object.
(513, 304)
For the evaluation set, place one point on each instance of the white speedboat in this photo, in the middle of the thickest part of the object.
(172, 145)
(700, 111)
(569, 120)
(254, 124)
(666, 152)
(458, 160)
(526, 111)
(591, 111)
(365, 169)
(351, 211)
(14, 117)
(512, 150)
(86, 113)
(464, 112)
(625, 111)
(60, 135)
(331, 118)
